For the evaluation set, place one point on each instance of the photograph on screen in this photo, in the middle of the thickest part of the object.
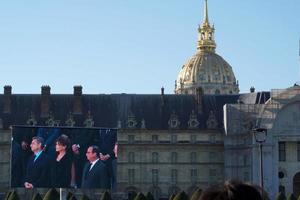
(63, 157)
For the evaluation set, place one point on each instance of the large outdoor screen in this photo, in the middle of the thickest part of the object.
(63, 157)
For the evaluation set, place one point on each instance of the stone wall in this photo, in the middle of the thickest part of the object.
(198, 152)
(5, 139)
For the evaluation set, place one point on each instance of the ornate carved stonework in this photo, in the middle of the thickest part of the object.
(51, 121)
(174, 122)
(143, 124)
(89, 122)
(131, 121)
(31, 121)
(212, 122)
(119, 124)
(70, 121)
(193, 122)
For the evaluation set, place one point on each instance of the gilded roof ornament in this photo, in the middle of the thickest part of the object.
(206, 21)
(206, 69)
(206, 41)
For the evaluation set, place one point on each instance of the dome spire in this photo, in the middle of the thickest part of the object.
(206, 14)
(206, 41)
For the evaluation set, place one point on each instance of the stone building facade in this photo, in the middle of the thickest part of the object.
(174, 142)
(167, 161)
(281, 151)
(167, 143)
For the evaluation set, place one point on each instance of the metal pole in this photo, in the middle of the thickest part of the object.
(261, 171)
(62, 194)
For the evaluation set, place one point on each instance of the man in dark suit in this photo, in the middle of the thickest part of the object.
(37, 173)
(23, 137)
(82, 139)
(108, 144)
(16, 164)
(95, 173)
(49, 135)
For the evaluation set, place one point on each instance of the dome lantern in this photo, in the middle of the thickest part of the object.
(206, 41)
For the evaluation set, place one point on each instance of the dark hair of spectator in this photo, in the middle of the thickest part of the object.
(39, 140)
(232, 190)
(95, 149)
(63, 140)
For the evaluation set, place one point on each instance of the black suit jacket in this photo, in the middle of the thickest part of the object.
(97, 177)
(37, 172)
(108, 139)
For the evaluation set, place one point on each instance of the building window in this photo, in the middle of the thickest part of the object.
(228, 78)
(154, 157)
(173, 139)
(156, 191)
(193, 139)
(155, 176)
(154, 139)
(245, 160)
(246, 177)
(174, 157)
(212, 139)
(194, 176)
(281, 189)
(298, 151)
(212, 173)
(131, 176)
(131, 157)
(174, 176)
(193, 157)
(281, 146)
(295, 117)
(212, 156)
(130, 139)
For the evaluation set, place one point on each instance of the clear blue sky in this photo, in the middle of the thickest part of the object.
(137, 46)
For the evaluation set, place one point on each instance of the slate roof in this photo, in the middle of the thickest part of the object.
(107, 109)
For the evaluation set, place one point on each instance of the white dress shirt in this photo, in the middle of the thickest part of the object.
(93, 163)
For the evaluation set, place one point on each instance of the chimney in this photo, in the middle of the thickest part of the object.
(162, 98)
(162, 113)
(252, 89)
(7, 99)
(199, 95)
(77, 107)
(45, 101)
(162, 90)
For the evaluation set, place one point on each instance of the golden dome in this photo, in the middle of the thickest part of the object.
(209, 71)
(206, 69)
